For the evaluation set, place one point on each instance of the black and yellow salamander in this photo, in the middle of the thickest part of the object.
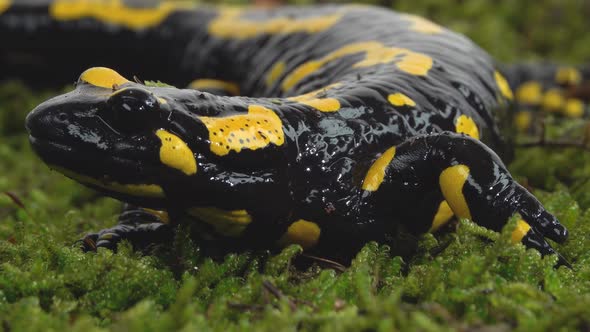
(325, 126)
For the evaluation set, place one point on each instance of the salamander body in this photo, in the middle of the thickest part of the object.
(324, 126)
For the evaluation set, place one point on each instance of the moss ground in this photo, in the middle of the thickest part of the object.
(469, 279)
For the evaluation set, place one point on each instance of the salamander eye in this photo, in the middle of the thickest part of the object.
(134, 110)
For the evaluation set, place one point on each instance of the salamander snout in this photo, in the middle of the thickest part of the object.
(47, 120)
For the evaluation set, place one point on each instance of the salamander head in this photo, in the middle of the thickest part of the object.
(116, 136)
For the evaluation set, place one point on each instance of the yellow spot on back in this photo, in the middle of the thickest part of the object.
(4, 4)
(400, 99)
(568, 76)
(161, 214)
(229, 25)
(522, 228)
(315, 99)
(226, 222)
(208, 83)
(442, 216)
(103, 77)
(553, 100)
(467, 126)
(175, 153)
(529, 93)
(523, 120)
(574, 108)
(275, 72)
(323, 104)
(374, 53)
(376, 172)
(300, 73)
(422, 25)
(142, 190)
(115, 12)
(416, 64)
(503, 85)
(451, 183)
(256, 129)
(302, 232)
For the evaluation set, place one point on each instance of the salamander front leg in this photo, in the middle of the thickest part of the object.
(142, 227)
(422, 171)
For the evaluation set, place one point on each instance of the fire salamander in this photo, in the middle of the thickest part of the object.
(325, 126)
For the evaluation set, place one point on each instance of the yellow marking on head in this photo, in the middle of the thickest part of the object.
(275, 72)
(161, 214)
(226, 222)
(451, 183)
(574, 108)
(115, 12)
(503, 85)
(256, 129)
(229, 24)
(467, 126)
(317, 100)
(143, 190)
(523, 120)
(207, 83)
(376, 172)
(400, 99)
(568, 76)
(442, 216)
(522, 228)
(374, 53)
(4, 4)
(553, 100)
(103, 77)
(422, 25)
(529, 93)
(302, 232)
(175, 153)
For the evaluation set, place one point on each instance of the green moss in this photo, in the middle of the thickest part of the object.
(468, 279)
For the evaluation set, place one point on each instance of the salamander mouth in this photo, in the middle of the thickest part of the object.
(44, 146)
(94, 163)
(122, 178)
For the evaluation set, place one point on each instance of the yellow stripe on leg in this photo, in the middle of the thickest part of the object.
(302, 232)
(521, 230)
(226, 222)
(442, 216)
(451, 182)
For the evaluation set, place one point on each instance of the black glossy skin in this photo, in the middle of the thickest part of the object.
(317, 174)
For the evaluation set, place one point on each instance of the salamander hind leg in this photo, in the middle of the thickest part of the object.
(424, 171)
(140, 226)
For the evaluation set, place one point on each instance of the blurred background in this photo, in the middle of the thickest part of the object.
(509, 30)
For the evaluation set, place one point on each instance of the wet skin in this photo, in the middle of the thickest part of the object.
(362, 123)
